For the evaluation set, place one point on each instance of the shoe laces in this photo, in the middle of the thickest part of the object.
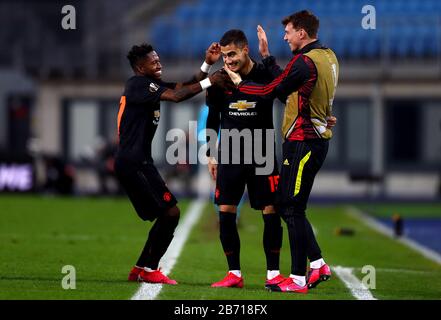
(287, 281)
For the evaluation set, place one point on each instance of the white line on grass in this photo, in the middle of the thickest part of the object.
(358, 289)
(314, 230)
(148, 291)
(379, 227)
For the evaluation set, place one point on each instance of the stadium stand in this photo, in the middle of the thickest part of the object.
(190, 28)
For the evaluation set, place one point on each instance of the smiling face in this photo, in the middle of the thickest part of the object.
(294, 37)
(235, 57)
(300, 29)
(150, 66)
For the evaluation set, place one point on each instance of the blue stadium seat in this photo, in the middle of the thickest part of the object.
(372, 45)
(192, 26)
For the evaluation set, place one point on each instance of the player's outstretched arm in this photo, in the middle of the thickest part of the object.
(290, 80)
(188, 91)
(212, 55)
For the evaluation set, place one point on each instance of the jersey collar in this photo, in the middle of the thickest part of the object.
(310, 46)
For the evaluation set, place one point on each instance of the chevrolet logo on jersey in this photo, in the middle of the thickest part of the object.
(242, 105)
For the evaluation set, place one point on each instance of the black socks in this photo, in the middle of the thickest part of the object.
(160, 236)
(230, 239)
(272, 240)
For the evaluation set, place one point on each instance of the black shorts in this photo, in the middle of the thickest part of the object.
(145, 188)
(300, 164)
(230, 185)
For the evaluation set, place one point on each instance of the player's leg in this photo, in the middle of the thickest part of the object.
(229, 236)
(318, 269)
(229, 189)
(301, 162)
(152, 201)
(272, 237)
(159, 238)
(261, 191)
(314, 252)
(294, 215)
(272, 243)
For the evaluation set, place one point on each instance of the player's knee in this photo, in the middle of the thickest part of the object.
(269, 210)
(291, 212)
(173, 212)
(227, 208)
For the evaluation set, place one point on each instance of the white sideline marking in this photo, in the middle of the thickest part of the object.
(381, 228)
(148, 291)
(358, 289)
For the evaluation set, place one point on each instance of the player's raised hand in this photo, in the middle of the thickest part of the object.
(213, 53)
(263, 42)
(234, 76)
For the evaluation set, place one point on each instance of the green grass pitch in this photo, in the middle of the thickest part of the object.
(101, 238)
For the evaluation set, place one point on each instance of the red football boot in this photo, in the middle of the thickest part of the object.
(230, 281)
(315, 276)
(289, 286)
(134, 273)
(155, 276)
(274, 281)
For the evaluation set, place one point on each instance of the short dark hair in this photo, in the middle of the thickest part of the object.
(304, 20)
(138, 53)
(235, 36)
